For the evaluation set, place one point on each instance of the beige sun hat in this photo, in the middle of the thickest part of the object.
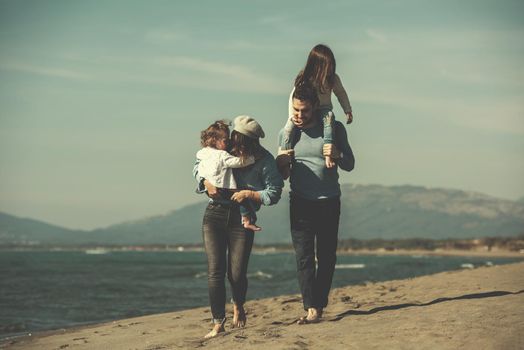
(248, 126)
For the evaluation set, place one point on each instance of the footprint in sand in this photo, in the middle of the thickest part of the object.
(121, 326)
(292, 300)
(301, 344)
(81, 340)
(271, 333)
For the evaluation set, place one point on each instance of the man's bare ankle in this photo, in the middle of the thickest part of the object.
(217, 329)
(313, 313)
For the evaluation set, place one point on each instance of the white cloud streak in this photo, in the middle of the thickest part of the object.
(182, 71)
(376, 35)
(46, 71)
(501, 115)
(161, 36)
(200, 65)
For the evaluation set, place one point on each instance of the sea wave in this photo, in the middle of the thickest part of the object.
(350, 266)
(467, 266)
(260, 275)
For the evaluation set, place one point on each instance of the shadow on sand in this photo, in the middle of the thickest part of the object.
(497, 293)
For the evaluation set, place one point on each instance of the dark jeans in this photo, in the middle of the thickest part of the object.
(309, 220)
(246, 206)
(228, 245)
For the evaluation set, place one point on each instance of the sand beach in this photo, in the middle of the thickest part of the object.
(479, 308)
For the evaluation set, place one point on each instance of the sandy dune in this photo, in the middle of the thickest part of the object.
(470, 309)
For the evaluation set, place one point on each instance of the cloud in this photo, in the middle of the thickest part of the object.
(197, 64)
(503, 115)
(478, 74)
(184, 71)
(376, 35)
(46, 71)
(272, 19)
(217, 75)
(257, 46)
(159, 36)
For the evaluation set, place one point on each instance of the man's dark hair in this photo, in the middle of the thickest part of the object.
(306, 92)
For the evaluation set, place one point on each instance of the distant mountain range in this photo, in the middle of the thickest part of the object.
(368, 211)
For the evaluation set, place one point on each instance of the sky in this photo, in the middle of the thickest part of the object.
(102, 102)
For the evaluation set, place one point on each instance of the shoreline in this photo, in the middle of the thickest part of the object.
(495, 253)
(439, 252)
(408, 314)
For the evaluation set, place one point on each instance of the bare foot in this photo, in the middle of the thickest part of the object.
(217, 328)
(248, 225)
(253, 227)
(329, 162)
(239, 316)
(313, 316)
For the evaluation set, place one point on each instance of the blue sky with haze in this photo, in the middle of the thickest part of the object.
(101, 102)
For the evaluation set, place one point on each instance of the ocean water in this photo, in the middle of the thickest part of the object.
(52, 290)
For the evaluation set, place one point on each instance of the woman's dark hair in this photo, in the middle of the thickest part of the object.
(243, 146)
(319, 70)
(216, 131)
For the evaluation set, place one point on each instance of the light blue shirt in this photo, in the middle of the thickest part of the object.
(262, 177)
(310, 179)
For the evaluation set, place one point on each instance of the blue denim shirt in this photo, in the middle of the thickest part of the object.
(262, 177)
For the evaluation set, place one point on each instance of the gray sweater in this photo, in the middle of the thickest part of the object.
(310, 179)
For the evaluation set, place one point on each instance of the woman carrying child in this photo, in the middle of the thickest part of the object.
(227, 242)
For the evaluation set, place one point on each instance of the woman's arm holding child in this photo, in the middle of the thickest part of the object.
(272, 182)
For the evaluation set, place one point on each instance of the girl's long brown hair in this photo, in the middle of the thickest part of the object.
(319, 70)
(243, 146)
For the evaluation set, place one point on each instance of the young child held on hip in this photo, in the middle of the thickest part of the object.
(216, 166)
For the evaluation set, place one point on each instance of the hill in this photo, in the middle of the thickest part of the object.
(368, 212)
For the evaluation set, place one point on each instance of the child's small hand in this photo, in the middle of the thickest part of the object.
(330, 150)
(247, 160)
(349, 116)
(212, 191)
(288, 152)
(283, 160)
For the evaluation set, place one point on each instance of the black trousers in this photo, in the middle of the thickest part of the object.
(228, 247)
(315, 221)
